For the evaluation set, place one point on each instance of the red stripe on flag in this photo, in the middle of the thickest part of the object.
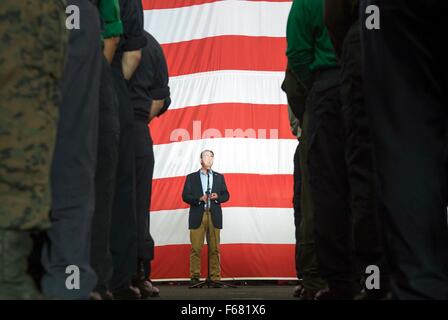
(231, 120)
(237, 261)
(218, 53)
(246, 190)
(169, 4)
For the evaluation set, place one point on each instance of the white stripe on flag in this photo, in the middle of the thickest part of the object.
(256, 87)
(240, 225)
(232, 155)
(248, 18)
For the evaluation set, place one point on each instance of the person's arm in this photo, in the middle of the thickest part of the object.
(166, 105)
(110, 46)
(160, 89)
(156, 106)
(130, 62)
(294, 122)
(187, 194)
(295, 93)
(223, 195)
(339, 15)
(113, 28)
(299, 34)
(135, 40)
(159, 104)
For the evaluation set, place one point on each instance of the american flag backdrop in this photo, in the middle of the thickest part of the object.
(226, 61)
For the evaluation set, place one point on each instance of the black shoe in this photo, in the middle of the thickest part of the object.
(373, 295)
(129, 293)
(194, 281)
(337, 293)
(101, 295)
(95, 296)
(306, 294)
(297, 291)
(216, 285)
(147, 290)
(325, 294)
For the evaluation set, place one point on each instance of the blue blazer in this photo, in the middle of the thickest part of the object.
(193, 191)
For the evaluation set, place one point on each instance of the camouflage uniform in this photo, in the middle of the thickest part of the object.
(32, 49)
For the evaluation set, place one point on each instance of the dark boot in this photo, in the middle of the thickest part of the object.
(297, 291)
(336, 292)
(142, 282)
(101, 295)
(383, 293)
(127, 293)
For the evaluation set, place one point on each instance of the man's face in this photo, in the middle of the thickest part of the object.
(207, 160)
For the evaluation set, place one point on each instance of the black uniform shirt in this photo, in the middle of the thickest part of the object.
(133, 38)
(150, 80)
(339, 15)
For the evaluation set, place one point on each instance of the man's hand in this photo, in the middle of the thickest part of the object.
(214, 196)
(203, 198)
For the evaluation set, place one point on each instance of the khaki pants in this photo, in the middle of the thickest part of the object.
(197, 240)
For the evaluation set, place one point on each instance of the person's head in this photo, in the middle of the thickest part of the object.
(207, 159)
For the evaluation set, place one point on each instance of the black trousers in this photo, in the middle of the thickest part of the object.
(405, 72)
(296, 97)
(105, 176)
(123, 225)
(328, 180)
(144, 165)
(364, 200)
(297, 208)
(73, 170)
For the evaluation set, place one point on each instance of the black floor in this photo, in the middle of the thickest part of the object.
(246, 291)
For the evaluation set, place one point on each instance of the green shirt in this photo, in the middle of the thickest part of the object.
(309, 46)
(110, 15)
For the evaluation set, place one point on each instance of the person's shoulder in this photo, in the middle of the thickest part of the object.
(306, 6)
(150, 38)
(152, 48)
(151, 41)
(192, 174)
(215, 173)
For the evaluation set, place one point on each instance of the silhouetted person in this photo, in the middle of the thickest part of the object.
(405, 81)
(150, 96)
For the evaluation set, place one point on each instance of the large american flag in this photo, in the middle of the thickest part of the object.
(226, 61)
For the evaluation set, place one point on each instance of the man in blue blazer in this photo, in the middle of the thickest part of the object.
(204, 191)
